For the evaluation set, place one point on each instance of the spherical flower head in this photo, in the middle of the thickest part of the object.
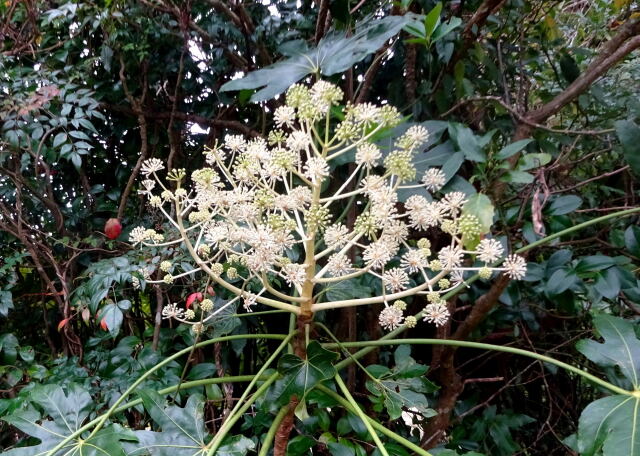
(138, 235)
(168, 279)
(515, 267)
(413, 138)
(399, 304)
(294, 273)
(232, 273)
(172, 311)
(435, 265)
(395, 280)
(151, 165)
(284, 116)
(389, 116)
(414, 260)
(410, 321)
(399, 163)
(377, 254)
(276, 137)
(197, 328)
(390, 318)
(436, 313)
(485, 273)
(450, 227)
(325, 94)
(433, 296)
(335, 236)
(453, 201)
(450, 257)
(434, 179)
(189, 314)
(165, 266)
(180, 193)
(339, 265)
(155, 201)
(167, 195)
(297, 95)
(489, 250)
(443, 284)
(206, 305)
(469, 225)
(424, 243)
(347, 131)
(204, 250)
(367, 224)
(235, 143)
(317, 218)
(316, 169)
(368, 155)
(217, 269)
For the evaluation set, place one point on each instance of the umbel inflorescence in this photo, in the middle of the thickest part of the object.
(267, 215)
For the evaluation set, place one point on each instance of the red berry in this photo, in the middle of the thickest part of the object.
(112, 228)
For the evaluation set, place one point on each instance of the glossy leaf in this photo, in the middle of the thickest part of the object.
(300, 375)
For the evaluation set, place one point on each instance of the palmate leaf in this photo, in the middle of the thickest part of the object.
(182, 431)
(68, 411)
(335, 53)
(611, 426)
(300, 375)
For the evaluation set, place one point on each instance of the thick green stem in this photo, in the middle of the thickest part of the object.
(396, 332)
(224, 429)
(468, 344)
(377, 426)
(215, 443)
(361, 414)
(100, 421)
(268, 439)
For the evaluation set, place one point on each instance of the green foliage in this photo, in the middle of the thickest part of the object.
(610, 425)
(335, 53)
(401, 387)
(299, 375)
(67, 410)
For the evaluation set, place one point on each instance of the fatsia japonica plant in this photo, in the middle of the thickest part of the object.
(266, 219)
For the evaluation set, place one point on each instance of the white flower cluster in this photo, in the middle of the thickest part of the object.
(270, 211)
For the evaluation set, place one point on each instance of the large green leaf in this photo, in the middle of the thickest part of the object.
(183, 431)
(335, 53)
(621, 348)
(611, 426)
(629, 135)
(300, 375)
(68, 411)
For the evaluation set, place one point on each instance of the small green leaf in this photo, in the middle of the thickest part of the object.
(59, 139)
(512, 149)
(432, 20)
(565, 204)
